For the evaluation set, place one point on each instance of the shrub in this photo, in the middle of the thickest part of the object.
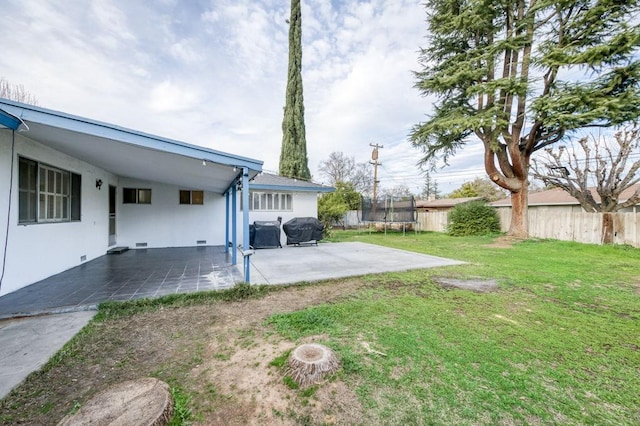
(473, 218)
(333, 206)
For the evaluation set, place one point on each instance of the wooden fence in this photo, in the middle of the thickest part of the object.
(579, 226)
(556, 224)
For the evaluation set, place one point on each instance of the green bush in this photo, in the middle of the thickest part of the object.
(473, 218)
(333, 206)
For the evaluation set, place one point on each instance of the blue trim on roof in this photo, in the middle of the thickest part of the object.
(109, 131)
(291, 188)
(9, 120)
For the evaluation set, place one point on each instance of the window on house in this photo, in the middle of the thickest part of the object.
(136, 195)
(191, 197)
(47, 193)
(270, 201)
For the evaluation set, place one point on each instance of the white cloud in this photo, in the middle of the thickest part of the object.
(168, 97)
(215, 75)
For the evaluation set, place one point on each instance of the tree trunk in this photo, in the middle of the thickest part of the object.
(519, 214)
(607, 228)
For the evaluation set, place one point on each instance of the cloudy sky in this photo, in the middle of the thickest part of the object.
(213, 73)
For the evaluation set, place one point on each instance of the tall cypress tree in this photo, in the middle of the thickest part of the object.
(293, 154)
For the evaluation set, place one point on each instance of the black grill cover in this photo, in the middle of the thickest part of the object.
(302, 230)
(265, 234)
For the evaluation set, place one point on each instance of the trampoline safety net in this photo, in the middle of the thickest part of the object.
(390, 209)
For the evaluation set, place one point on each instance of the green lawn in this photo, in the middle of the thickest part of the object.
(559, 342)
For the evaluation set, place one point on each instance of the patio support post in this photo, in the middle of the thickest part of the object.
(226, 222)
(245, 223)
(234, 220)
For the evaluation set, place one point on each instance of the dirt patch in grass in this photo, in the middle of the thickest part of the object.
(248, 389)
(219, 353)
(479, 285)
(504, 242)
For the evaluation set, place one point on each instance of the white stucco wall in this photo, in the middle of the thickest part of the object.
(37, 251)
(167, 223)
(304, 204)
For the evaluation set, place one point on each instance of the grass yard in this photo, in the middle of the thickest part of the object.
(557, 343)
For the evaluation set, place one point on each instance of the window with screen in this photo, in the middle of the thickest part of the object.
(47, 193)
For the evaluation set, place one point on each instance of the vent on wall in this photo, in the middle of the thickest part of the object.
(201, 242)
(141, 244)
(83, 258)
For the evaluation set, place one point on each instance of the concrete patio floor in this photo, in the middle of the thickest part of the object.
(294, 264)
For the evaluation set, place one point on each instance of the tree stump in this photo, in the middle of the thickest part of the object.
(140, 402)
(310, 362)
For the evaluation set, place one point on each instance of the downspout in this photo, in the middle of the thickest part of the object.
(245, 223)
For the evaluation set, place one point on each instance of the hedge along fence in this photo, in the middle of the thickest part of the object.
(582, 227)
(473, 218)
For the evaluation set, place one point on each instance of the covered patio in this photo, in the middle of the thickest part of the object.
(124, 162)
(134, 274)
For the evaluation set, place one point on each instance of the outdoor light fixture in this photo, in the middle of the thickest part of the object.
(204, 162)
(99, 184)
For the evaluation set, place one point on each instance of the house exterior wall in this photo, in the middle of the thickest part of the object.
(165, 222)
(304, 204)
(37, 251)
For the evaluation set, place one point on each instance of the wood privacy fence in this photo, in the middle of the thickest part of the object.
(558, 224)
(579, 226)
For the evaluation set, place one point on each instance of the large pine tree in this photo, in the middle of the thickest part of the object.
(521, 74)
(293, 154)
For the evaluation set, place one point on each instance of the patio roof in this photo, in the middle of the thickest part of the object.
(268, 181)
(129, 153)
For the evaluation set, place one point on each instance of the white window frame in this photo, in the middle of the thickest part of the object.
(53, 192)
(54, 195)
(270, 201)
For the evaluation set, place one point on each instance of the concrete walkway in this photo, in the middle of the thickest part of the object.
(26, 344)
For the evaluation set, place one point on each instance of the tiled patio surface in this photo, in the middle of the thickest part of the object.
(134, 274)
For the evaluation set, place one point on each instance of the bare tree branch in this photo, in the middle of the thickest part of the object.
(16, 92)
(596, 163)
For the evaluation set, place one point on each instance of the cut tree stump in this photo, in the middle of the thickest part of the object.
(137, 402)
(310, 362)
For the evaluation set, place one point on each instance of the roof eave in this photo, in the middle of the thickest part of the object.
(291, 188)
(24, 112)
(9, 120)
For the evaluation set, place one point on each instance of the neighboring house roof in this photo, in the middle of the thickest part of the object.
(127, 152)
(271, 182)
(560, 197)
(442, 203)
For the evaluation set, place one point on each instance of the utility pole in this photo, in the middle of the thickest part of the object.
(374, 158)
